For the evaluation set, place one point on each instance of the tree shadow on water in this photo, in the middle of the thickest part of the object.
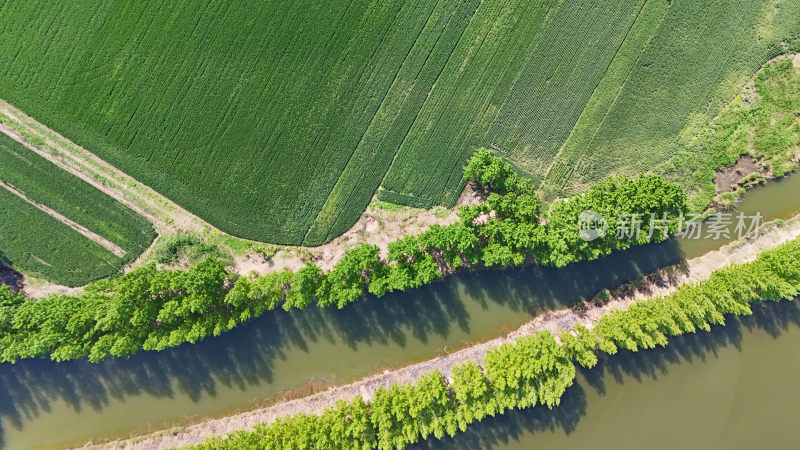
(771, 317)
(499, 431)
(536, 289)
(247, 356)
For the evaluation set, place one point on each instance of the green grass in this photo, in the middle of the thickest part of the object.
(279, 121)
(387, 206)
(697, 57)
(40, 245)
(763, 122)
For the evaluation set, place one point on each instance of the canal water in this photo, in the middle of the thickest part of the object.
(734, 388)
(48, 404)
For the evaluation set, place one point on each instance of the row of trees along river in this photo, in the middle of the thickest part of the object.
(44, 403)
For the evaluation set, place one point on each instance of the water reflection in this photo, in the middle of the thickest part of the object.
(519, 429)
(467, 306)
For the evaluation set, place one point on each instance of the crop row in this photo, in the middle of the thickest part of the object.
(45, 183)
(560, 76)
(31, 249)
(398, 111)
(464, 101)
(246, 114)
(37, 244)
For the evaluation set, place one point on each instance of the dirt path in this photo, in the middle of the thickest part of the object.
(108, 245)
(162, 212)
(378, 227)
(662, 283)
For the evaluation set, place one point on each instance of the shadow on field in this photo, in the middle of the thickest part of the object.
(245, 356)
(9, 276)
(497, 432)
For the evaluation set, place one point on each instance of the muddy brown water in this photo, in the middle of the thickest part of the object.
(733, 388)
(48, 404)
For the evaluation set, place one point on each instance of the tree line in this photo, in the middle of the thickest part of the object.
(534, 370)
(152, 309)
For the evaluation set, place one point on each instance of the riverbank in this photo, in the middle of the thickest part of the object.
(663, 282)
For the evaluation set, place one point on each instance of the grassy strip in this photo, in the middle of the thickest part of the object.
(534, 370)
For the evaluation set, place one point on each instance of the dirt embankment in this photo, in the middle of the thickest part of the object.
(661, 283)
(376, 226)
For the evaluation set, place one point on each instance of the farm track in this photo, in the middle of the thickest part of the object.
(108, 245)
(374, 227)
(164, 214)
(664, 282)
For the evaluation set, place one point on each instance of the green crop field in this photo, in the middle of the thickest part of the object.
(246, 113)
(587, 90)
(695, 60)
(38, 244)
(278, 121)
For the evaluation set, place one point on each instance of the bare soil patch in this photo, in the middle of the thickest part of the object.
(726, 179)
(661, 283)
(33, 288)
(376, 226)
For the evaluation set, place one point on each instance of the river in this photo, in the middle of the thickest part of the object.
(48, 404)
(734, 388)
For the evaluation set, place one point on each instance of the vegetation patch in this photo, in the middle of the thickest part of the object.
(37, 244)
(760, 124)
(183, 246)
